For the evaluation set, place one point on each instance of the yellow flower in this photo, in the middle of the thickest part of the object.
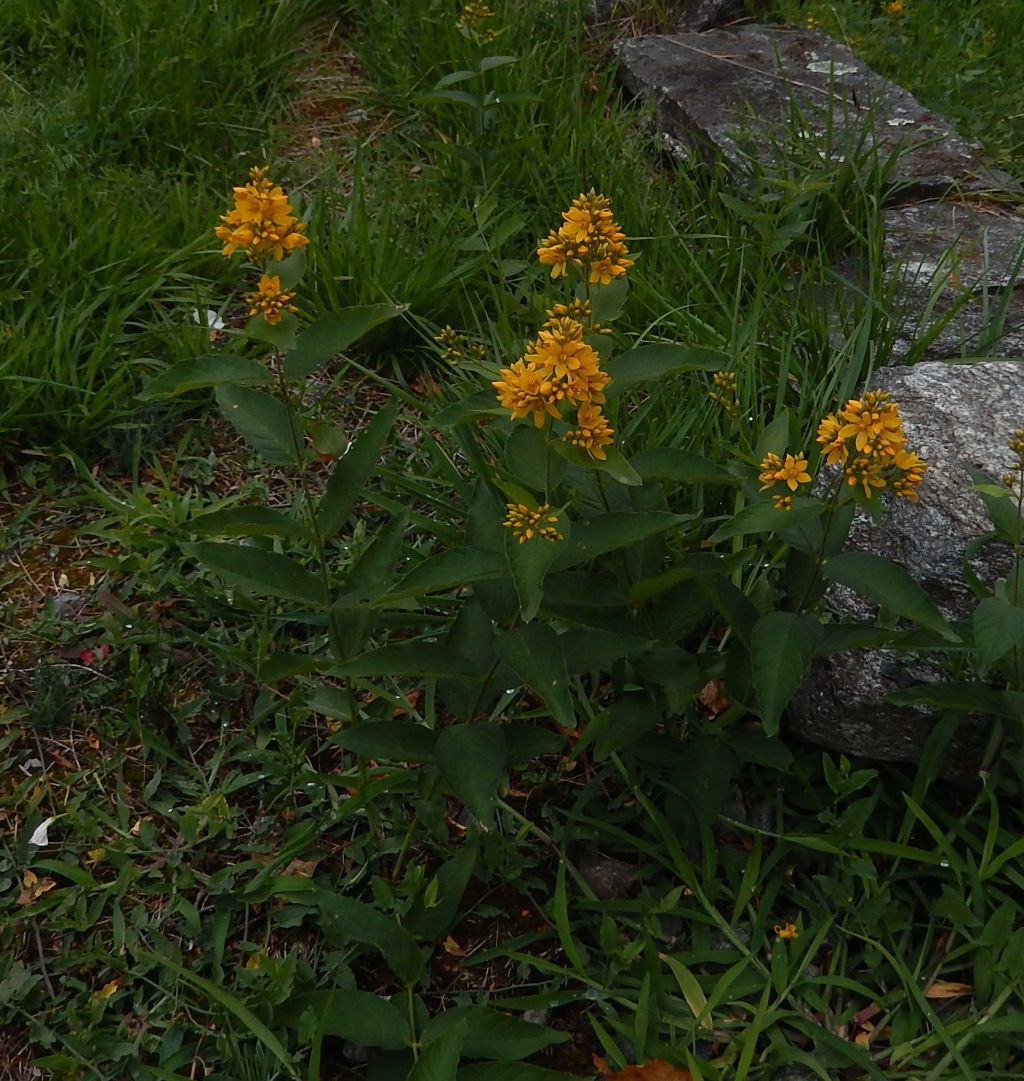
(911, 473)
(833, 447)
(593, 433)
(894, 8)
(588, 238)
(792, 471)
(782, 502)
(527, 523)
(270, 300)
(725, 392)
(866, 472)
(874, 424)
(526, 390)
(473, 16)
(261, 222)
(786, 931)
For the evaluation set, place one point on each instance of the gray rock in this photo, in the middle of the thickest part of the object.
(748, 90)
(957, 417)
(957, 268)
(609, 878)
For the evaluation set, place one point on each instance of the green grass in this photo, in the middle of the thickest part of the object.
(959, 59)
(121, 125)
(214, 844)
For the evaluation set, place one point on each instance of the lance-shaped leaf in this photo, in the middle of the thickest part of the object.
(352, 471)
(493, 1034)
(765, 518)
(534, 653)
(271, 573)
(890, 586)
(254, 521)
(614, 462)
(201, 372)
(670, 463)
(998, 629)
(414, 659)
(529, 562)
(446, 570)
(782, 645)
(264, 421)
(593, 537)
(333, 334)
(471, 758)
(655, 361)
(389, 741)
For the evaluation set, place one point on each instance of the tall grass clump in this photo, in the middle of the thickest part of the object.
(116, 121)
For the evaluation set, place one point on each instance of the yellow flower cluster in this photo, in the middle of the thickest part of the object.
(270, 300)
(725, 392)
(866, 438)
(791, 471)
(589, 239)
(579, 309)
(455, 349)
(558, 367)
(894, 8)
(261, 222)
(472, 20)
(527, 523)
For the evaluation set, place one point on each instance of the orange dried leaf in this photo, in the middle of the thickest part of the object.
(711, 698)
(105, 991)
(452, 947)
(301, 868)
(943, 989)
(33, 888)
(655, 1070)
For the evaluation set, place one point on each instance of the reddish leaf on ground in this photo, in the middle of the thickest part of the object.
(655, 1070)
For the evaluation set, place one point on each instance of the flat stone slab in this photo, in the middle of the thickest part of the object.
(958, 417)
(751, 89)
(959, 270)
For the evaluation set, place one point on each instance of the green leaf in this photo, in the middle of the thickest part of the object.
(889, 586)
(534, 653)
(1000, 507)
(964, 696)
(344, 919)
(764, 518)
(607, 301)
(415, 659)
(528, 458)
(609, 532)
(471, 758)
(232, 1004)
(525, 742)
(782, 645)
(251, 521)
(998, 629)
(668, 463)
(363, 1018)
(351, 472)
(614, 463)
(389, 741)
(449, 569)
(476, 406)
(439, 1060)
(493, 1034)
(263, 421)
(281, 335)
(656, 361)
(210, 371)
(615, 728)
(529, 561)
(433, 922)
(263, 572)
(333, 334)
